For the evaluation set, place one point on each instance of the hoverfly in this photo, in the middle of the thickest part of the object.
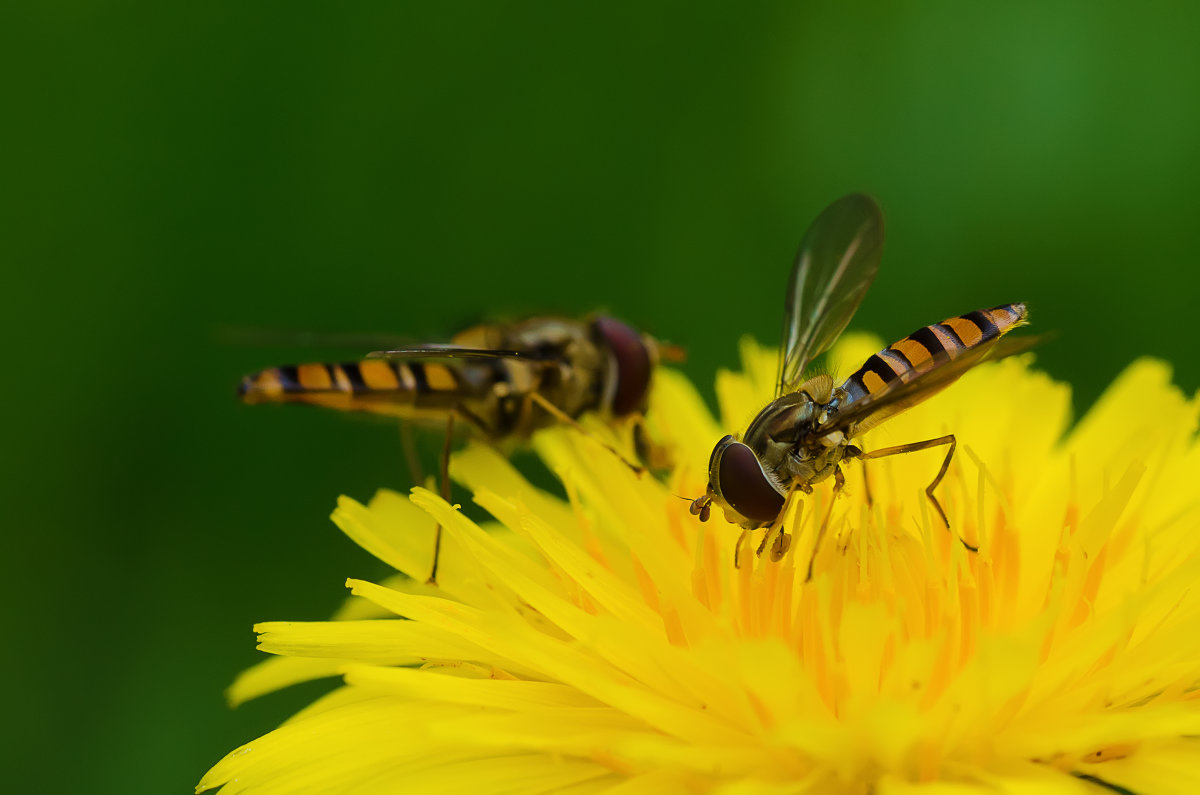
(504, 380)
(805, 434)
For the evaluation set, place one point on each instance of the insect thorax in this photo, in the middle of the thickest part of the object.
(786, 435)
(572, 378)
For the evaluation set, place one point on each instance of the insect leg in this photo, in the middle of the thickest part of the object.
(737, 549)
(781, 538)
(653, 455)
(563, 417)
(782, 542)
(839, 482)
(762, 546)
(853, 451)
(913, 447)
(409, 445)
(445, 485)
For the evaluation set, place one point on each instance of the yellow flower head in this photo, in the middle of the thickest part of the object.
(605, 641)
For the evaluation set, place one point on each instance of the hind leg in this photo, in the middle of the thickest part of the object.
(913, 447)
(444, 476)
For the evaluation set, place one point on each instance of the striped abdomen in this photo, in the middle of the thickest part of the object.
(380, 386)
(930, 347)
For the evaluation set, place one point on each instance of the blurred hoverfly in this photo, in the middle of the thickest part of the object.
(804, 435)
(503, 380)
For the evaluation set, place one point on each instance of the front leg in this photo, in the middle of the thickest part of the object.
(782, 539)
(839, 482)
(558, 414)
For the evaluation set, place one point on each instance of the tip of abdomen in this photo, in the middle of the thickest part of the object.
(248, 390)
(264, 386)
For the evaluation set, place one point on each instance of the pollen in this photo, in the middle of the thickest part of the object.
(597, 636)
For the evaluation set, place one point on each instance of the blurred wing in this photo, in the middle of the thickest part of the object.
(836, 264)
(451, 351)
(868, 411)
(281, 338)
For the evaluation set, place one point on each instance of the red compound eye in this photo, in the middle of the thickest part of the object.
(738, 477)
(633, 364)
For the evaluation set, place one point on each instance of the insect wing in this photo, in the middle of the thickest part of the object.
(837, 262)
(451, 351)
(253, 336)
(870, 410)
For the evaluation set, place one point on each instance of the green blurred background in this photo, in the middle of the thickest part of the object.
(175, 169)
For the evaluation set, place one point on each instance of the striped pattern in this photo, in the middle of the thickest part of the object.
(374, 385)
(931, 346)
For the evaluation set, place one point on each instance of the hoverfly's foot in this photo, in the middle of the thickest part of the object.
(783, 542)
(972, 548)
(566, 419)
(637, 469)
(654, 456)
(766, 540)
(778, 543)
(437, 552)
(737, 549)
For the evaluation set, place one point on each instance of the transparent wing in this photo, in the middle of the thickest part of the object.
(450, 351)
(283, 338)
(837, 262)
(870, 410)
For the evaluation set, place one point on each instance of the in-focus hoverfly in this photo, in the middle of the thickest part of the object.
(503, 380)
(804, 435)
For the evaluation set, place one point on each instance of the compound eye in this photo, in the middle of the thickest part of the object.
(737, 475)
(726, 440)
(633, 364)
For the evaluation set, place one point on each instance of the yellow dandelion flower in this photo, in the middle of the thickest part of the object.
(605, 642)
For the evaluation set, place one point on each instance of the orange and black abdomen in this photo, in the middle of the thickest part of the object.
(925, 349)
(374, 385)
